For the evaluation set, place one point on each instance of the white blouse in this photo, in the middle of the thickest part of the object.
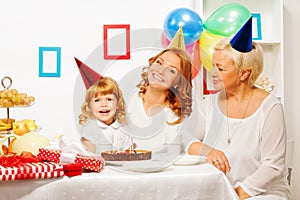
(258, 145)
(105, 137)
(152, 132)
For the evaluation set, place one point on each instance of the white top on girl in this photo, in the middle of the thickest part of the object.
(105, 137)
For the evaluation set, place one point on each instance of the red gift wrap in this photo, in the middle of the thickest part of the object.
(88, 162)
(72, 169)
(35, 170)
(52, 155)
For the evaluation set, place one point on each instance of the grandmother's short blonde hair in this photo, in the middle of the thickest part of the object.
(252, 60)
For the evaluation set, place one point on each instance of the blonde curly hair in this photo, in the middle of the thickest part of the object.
(104, 86)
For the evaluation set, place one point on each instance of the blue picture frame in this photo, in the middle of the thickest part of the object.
(42, 72)
(256, 26)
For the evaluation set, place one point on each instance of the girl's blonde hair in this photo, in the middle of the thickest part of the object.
(179, 99)
(104, 86)
(252, 60)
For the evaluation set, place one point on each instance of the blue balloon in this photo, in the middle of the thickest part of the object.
(190, 21)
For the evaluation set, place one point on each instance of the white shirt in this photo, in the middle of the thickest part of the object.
(258, 145)
(105, 137)
(152, 132)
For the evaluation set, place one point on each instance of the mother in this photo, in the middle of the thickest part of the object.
(165, 89)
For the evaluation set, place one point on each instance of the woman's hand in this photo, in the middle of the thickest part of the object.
(241, 193)
(213, 156)
(218, 159)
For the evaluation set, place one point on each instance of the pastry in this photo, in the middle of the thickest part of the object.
(126, 155)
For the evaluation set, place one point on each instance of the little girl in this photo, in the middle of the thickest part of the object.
(103, 112)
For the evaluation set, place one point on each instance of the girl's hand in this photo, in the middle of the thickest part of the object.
(218, 159)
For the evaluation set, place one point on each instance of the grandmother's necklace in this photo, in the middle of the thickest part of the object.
(229, 137)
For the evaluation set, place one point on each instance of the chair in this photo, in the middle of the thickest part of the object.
(289, 159)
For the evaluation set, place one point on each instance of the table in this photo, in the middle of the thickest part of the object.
(202, 181)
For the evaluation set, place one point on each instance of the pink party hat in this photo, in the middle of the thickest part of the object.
(242, 40)
(88, 75)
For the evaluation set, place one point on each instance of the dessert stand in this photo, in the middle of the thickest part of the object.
(7, 104)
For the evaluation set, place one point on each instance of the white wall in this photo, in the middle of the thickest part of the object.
(292, 82)
(76, 26)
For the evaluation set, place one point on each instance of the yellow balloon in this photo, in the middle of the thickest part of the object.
(207, 42)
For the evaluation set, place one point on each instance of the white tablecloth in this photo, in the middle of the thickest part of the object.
(201, 181)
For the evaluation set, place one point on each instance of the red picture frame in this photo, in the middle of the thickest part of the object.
(106, 40)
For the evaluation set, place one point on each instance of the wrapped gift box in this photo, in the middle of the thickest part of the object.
(52, 155)
(72, 169)
(31, 171)
(87, 162)
(90, 162)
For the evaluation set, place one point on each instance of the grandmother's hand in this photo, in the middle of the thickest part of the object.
(241, 193)
(218, 159)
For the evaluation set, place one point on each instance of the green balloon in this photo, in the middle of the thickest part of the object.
(227, 19)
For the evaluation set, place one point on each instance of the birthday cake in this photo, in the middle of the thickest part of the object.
(126, 155)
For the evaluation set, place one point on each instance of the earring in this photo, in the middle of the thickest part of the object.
(174, 89)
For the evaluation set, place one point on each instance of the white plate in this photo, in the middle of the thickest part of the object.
(189, 160)
(146, 166)
(120, 163)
